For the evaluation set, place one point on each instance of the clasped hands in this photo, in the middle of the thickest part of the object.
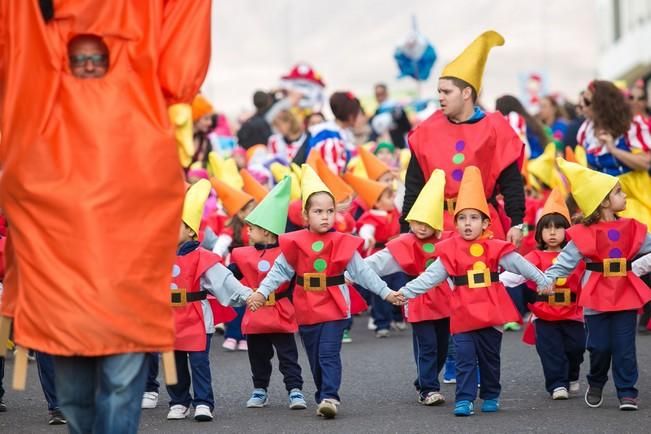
(257, 300)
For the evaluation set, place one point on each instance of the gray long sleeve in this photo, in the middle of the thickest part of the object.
(383, 263)
(220, 282)
(433, 276)
(362, 274)
(646, 246)
(566, 262)
(280, 273)
(515, 263)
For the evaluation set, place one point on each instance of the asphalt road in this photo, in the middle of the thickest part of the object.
(377, 396)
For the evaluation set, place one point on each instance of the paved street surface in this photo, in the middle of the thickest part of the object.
(377, 395)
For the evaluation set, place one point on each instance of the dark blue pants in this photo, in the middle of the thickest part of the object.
(234, 328)
(322, 344)
(152, 384)
(481, 346)
(2, 377)
(560, 345)
(261, 351)
(611, 337)
(201, 380)
(382, 311)
(101, 395)
(45, 365)
(430, 340)
(518, 295)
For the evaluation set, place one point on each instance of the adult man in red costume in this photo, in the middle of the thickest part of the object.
(92, 187)
(461, 135)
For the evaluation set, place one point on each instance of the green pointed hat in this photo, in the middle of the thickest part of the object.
(271, 213)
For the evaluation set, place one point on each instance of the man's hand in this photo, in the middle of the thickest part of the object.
(255, 301)
(514, 236)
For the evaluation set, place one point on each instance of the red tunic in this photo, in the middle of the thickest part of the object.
(277, 316)
(490, 144)
(414, 256)
(189, 326)
(610, 240)
(329, 253)
(532, 206)
(344, 222)
(387, 226)
(477, 308)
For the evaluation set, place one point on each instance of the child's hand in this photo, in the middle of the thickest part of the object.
(255, 301)
(548, 289)
(396, 298)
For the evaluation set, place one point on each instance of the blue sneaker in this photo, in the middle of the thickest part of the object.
(297, 400)
(449, 373)
(490, 406)
(258, 399)
(464, 408)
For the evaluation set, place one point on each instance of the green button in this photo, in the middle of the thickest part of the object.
(428, 248)
(458, 158)
(320, 265)
(429, 262)
(317, 246)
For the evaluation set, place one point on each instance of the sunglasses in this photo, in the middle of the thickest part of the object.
(586, 102)
(95, 59)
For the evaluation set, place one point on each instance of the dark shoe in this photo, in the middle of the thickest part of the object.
(594, 396)
(57, 418)
(628, 404)
(3, 406)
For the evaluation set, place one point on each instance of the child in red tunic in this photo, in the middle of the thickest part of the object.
(610, 293)
(557, 320)
(318, 257)
(429, 314)
(479, 303)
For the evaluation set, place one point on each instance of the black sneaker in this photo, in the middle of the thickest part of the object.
(594, 396)
(57, 418)
(3, 406)
(628, 404)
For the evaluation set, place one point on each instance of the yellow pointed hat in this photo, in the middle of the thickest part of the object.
(195, 200)
(542, 167)
(279, 172)
(367, 189)
(181, 118)
(428, 207)
(469, 65)
(231, 198)
(311, 183)
(252, 186)
(589, 187)
(555, 204)
(471, 192)
(375, 167)
(337, 186)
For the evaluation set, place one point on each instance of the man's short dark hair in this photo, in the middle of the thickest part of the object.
(462, 84)
(261, 100)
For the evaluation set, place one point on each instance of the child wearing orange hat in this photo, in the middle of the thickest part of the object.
(610, 293)
(479, 303)
(557, 319)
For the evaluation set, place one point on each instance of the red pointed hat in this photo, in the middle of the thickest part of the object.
(305, 72)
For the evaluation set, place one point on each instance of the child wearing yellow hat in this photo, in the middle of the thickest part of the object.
(196, 273)
(557, 319)
(611, 294)
(318, 257)
(479, 302)
(429, 314)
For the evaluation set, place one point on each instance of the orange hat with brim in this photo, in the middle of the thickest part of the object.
(201, 107)
(368, 190)
(233, 200)
(471, 192)
(555, 204)
(337, 186)
(375, 167)
(252, 186)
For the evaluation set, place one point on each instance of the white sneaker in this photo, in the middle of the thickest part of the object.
(149, 400)
(384, 333)
(202, 413)
(371, 324)
(229, 344)
(399, 326)
(575, 386)
(328, 408)
(560, 393)
(178, 412)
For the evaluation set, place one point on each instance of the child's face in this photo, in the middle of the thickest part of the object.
(386, 202)
(386, 156)
(471, 224)
(257, 235)
(386, 179)
(321, 214)
(553, 236)
(617, 199)
(185, 233)
(421, 230)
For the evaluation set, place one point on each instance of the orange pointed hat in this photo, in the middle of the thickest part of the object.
(375, 167)
(368, 190)
(233, 200)
(252, 186)
(555, 204)
(471, 192)
(337, 186)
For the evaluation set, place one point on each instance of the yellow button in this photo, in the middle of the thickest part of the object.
(561, 281)
(479, 266)
(476, 250)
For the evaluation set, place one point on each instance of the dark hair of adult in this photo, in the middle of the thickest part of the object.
(508, 103)
(261, 100)
(610, 110)
(559, 110)
(547, 221)
(345, 106)
(462, 84)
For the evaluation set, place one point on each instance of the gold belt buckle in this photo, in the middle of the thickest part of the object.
(271, 301)
(567, 297)
(479, 278)
(314, 281)
(183, 295)
(614, 267)
(451, 203)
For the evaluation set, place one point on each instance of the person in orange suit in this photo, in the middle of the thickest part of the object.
(92, 187)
